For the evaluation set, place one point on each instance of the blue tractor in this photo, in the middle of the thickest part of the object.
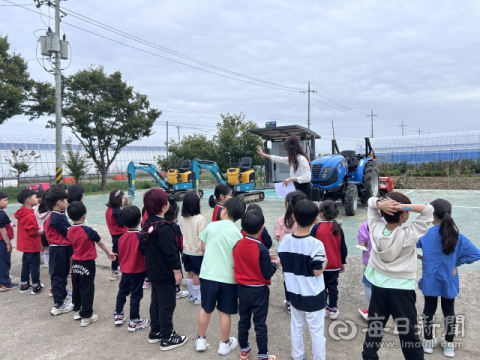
(346, 176)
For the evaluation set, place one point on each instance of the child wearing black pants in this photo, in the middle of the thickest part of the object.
(253, 271)
(55, 229)
(162, 260)
(132, 263)
(83, 239)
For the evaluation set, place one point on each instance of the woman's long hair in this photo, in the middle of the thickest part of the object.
(293, 149)
(448, 229)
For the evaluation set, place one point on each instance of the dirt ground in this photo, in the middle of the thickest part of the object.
(465, 182)
(32, 333)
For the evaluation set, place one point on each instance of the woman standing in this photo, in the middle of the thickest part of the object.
(298, 162)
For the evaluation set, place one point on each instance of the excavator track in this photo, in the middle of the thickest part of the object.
(251, 197)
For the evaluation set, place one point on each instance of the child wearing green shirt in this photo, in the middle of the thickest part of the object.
(218, 285)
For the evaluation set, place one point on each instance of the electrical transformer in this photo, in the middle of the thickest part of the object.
(64, 49)
(49, 44)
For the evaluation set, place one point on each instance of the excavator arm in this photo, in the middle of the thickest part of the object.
(149, 168)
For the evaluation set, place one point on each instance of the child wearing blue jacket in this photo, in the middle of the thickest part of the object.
(444, 249)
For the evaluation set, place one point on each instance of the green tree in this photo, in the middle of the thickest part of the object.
(234, 142)
(19, 94)
(105, 115)
(190, 147)
(75, 161)
(21, 161)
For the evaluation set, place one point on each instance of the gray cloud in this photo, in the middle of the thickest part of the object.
(416, 61)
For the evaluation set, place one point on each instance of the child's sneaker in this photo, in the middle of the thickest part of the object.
(88, 321)
(45, 264)
(364, 314)
(245, 354)
(201, 343)
(448, 348)
(182, 294)
(225, 347)
(197, 301)
(428, 345)
(138, 325)
(119, 319)
(37, 289)
(154, 337)
(333, 313)
(173, 341)
(76, 315)
(147, 285)
(50, 293)
(273, 357)
(8, 287)
(191, 298)
(114, 276)
(68, 298)
(286, 306)
(25, 288)
(58, 310)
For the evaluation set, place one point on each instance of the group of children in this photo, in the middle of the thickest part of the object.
(231, 270)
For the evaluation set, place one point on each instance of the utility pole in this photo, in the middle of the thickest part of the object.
(167, 141)
(178, 128)
(333, 130)
(402, 126)
(58, 103)
(371, 114)
(419, 131)
(309, 91)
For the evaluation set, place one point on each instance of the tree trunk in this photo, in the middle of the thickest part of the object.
(104, 180)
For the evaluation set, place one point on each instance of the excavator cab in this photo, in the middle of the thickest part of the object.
(242, 174)
(181, 175)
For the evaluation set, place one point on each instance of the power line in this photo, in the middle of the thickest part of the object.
(276, 87)
(175, 53)
(163, 37)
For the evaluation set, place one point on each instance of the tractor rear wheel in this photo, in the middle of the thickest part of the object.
(371, 182)
(350, 200)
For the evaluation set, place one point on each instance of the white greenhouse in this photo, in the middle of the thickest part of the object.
(145, 150)
(425, 148)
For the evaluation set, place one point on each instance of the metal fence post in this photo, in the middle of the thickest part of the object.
(90, 176)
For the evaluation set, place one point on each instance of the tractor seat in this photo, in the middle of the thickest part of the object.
(351, 157)
(245, 164)
(186, 165)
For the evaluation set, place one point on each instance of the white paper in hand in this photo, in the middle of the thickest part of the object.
(282, 190)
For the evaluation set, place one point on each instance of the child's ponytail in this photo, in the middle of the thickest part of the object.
(219, 190)
(211, 201)
(291, 199)
(448, 229)
(330, 212)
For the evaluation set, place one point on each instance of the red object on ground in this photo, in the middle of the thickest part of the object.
(44, 186)
(69, 180)
(386, 184)
(164, 174)
(34, 187)
(120, 177)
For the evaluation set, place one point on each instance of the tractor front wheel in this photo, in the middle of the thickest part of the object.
(350, 200)
(371, 182)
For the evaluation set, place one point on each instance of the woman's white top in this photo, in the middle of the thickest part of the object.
(302, 174)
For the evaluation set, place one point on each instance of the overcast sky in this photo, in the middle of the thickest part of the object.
(411, 61)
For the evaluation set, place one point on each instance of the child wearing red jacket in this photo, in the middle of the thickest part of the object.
(253, 270)
(116, 201)
(330, 233)
(29, 242)
(132, 262)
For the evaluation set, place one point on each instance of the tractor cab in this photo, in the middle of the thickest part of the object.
(182, 174)
(242, 173)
